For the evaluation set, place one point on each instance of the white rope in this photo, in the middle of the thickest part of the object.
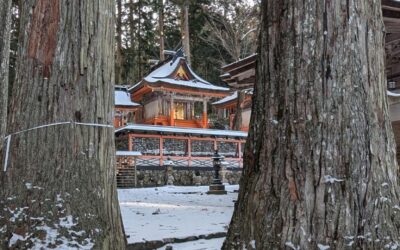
(393, 94)
(7, 150)
(8, 137)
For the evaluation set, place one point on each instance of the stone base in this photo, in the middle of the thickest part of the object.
(217, 189)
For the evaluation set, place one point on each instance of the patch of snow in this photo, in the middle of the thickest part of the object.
(67, 222)
(212, 244)
(28, 185)
(392, 245)
(331, 180)
(179, 205)
(253, 244)
(52, 235)
(291, 245)
(323, 247)
(17, 213)
(37, 218)
(384, 199)
(15, 238)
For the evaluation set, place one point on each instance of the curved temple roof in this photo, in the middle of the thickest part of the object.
(122, 98)
(179, 74)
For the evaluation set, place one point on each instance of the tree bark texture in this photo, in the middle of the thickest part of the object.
(319, 164)
(5, 36)
(59, 188)
(161, 28)
(185, 30)
(119, 64)
(237, 122)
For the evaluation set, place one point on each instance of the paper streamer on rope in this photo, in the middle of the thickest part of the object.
(8, 137)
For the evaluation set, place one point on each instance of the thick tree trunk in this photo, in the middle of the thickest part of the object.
(185, 29)
(133, 72)
(59, 187)
(320, 167)
(161, 28)
(5, 36)
(237, 121)
(119, 56)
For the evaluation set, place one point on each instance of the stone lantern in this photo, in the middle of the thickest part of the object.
(169, 171)
(216, 186)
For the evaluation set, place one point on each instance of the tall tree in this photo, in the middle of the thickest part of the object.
(185, 29)
(142, 38)
(119, 59)
(161, 28)
(59, 186)
(5, 36)
(320, 168)
(234, 39)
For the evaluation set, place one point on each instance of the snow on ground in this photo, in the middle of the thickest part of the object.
(175, 212)
(213, 244)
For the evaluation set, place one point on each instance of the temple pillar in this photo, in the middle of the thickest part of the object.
(172, 112)
(205, 118)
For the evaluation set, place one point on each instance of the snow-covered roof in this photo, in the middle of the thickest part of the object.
(190, 83)
(122, 98)
(233, 96)
(162, 74)
(128, 153)
(227, 99)
(179, 130)
(240, 60)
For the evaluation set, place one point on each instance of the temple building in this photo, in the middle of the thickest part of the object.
(240, 76)
(164, 119)
(173, 95)
(227, 108)
(125, 111)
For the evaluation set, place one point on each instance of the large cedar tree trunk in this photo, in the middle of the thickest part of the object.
(237, 121)
(320, 168)
(5, 35)
(119, 64)
(161, 28)
(59, 188)
(185, 29)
